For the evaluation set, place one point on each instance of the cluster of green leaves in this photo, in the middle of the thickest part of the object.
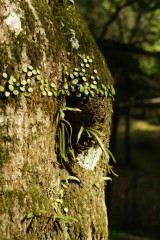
(84, 81)
(11, 86)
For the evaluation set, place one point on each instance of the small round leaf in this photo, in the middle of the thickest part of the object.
(1, 89)
(74, 82)
(27, 94)
(50, 94)
(41, 88)
(10, 82)
(24, 70)
(28, 81)
(29, 73)
(15, 92)
(86, 92)
(30, 89)
(34, 72)
(22, 89)
(7, 94)
(23, 82)
(38, 77)
(11, 88)
(13, 79)
(4, 75)
(65, 86)
(78, 94)
(44, 93)
(30, 67)
(84, 79)
(71, 76)
(38, 72)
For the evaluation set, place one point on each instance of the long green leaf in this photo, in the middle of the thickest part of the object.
(73, 109)
(60, 142)
(99, 142)
(62, 149)
(105, 179)
(71, 151)
(79, 134)
(30, 215)
(106, 152)
(70, 178)
(65, 219)
(63, 140)
(110, 153)
(70, 130)
(68, 236)
(110, 170)
(97, 132)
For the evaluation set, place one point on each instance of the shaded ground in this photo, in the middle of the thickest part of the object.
(120, 235)
(135, 202)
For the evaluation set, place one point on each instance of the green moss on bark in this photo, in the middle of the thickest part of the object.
(29, 21)
(4, 155)
(8, 200)
(4, 152)
(71, 23)
(3, 57)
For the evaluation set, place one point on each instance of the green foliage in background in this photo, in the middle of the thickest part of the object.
(128, 33)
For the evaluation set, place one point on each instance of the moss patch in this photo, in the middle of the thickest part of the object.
(8, 201)
(69, 20)
(4, 155)
(3, 57)
(29, 21)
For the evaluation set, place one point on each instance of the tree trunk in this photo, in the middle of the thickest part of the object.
(43, 196)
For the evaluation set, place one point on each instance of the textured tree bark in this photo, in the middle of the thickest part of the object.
(31, 191)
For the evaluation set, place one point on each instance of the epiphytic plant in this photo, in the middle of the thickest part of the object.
(24, 83)
(96, 134)
(64, 133)
(84, 81)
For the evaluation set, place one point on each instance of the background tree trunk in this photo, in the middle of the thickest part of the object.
(31, 195)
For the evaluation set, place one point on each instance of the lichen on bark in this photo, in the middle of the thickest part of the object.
(48, 37)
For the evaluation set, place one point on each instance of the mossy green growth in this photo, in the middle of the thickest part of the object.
(48, 22)
(37, 197)
(16, 44)
(29, 18)
(74, 30)
(34, 53)
(3, 56)
(8, 201)
(4, 154)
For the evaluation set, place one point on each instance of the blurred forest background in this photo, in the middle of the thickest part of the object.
(128, 34)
